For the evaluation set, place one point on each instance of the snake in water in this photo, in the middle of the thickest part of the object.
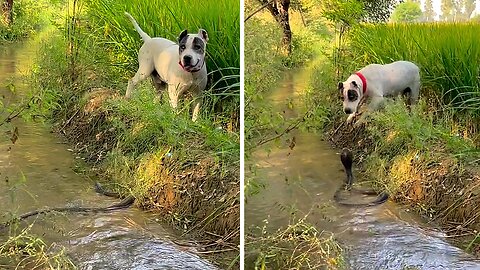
(124, 203)
(347, 160)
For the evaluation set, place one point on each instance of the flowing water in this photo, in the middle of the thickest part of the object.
(305, 179)
(39, 171)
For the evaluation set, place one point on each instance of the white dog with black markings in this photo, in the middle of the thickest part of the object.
(178, 67)
(378, 82)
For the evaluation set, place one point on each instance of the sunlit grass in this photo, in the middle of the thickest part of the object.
(296, 246)
(28, 251)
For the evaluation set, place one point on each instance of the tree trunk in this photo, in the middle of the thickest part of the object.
(283, 20)
(279, 10)
(7, 11)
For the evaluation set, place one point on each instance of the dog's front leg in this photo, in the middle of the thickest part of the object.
(350, 118)
(197, 102)
(376, 103)
(142, 73)
(174, 92)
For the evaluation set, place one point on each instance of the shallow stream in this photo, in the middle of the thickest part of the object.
(305, 179)
(39, 171)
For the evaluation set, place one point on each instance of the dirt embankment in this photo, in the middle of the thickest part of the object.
(195, 192)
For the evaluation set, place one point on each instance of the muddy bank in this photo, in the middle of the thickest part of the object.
(192, 192)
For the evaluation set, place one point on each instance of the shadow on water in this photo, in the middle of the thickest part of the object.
(305, 178)
(126, 239)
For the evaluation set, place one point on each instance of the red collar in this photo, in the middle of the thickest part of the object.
(192, 71)
(364, 81)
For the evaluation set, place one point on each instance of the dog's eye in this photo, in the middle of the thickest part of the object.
(352, 95)
(182, 47)
(197, 47)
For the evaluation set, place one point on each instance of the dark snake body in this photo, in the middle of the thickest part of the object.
(347, 160)
(124, 203)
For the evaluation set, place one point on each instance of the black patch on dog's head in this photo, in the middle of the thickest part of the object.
(198, 45)
(352, 95)
(182, 40)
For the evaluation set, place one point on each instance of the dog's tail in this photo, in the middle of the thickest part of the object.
(144, 35)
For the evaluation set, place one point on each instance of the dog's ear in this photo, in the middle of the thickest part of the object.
(182, 35)
(202, 33)
(340, 86)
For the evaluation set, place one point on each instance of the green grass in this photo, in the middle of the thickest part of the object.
(263, 69)
(446, 53)
(27, 20)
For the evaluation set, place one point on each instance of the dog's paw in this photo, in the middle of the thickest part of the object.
(350, 118)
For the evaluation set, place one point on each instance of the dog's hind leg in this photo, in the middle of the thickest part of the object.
(407, 95)
(145, 69)
(415, 91)
(142, 74)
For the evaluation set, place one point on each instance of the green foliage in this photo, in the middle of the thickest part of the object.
(407, 12)
(396, 132)
(28, 251)
(263, 68)
(348, 12)
(378, 10)
(27, 19)
(321, 98)
(145, 125)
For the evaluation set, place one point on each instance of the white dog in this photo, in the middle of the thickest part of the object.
(378, 82)
(180, 68)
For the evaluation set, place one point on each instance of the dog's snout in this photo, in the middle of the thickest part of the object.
(187, 58)
(348, 111)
